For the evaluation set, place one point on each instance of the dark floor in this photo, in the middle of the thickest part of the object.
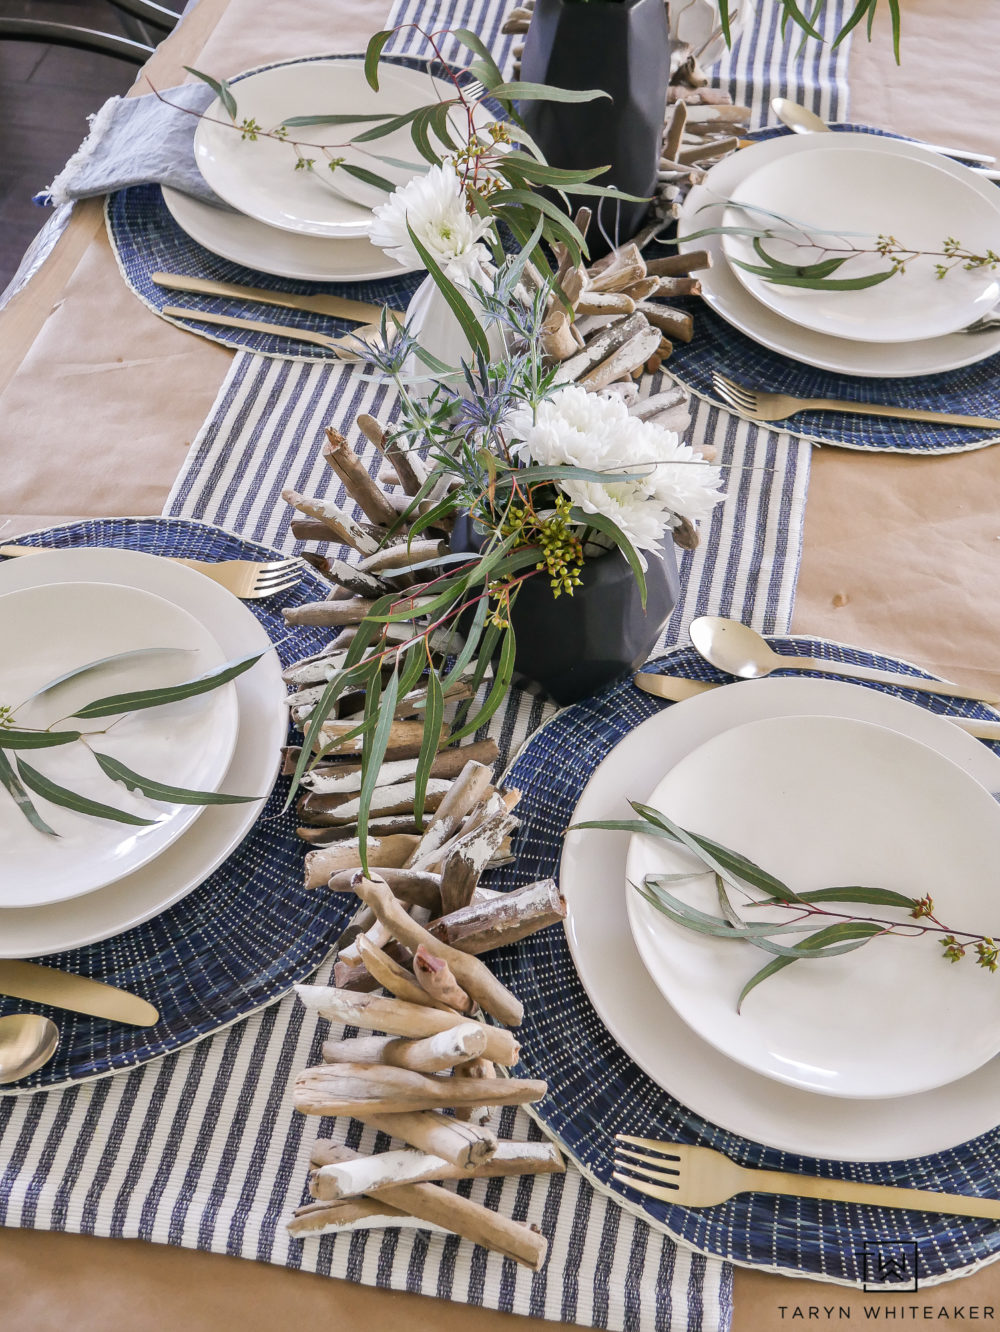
(46, 94)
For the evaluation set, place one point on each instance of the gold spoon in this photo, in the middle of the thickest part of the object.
(27, 1041)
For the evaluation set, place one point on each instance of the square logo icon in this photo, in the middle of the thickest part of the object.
(890, 1263)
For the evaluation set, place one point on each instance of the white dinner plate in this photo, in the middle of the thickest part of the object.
(245, 241)
(260, 692)
(260, 178)
(592, 876)
(861, 194)
(46, 632)
(725, 294)
(823, 801)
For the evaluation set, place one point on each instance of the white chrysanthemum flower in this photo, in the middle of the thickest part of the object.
(597, 432)
(434, 206)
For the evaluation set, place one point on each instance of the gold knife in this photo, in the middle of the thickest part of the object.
(46, 985)
(339, 307)
(677, 689)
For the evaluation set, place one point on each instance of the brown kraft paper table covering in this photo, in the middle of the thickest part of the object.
(98, 401)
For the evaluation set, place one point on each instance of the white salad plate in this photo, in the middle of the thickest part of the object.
(245, 241)
(34, 931)
(704, 207)
(47, 632)
(824, 801)
(723, 1092)
(856, 196)
(260, 178)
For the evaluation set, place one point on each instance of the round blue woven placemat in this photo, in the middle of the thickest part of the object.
(251, 931)
(973, 390)
(597, 1091)
(146, 240)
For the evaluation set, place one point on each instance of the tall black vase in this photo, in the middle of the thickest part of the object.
(623, 48)
(574, 646)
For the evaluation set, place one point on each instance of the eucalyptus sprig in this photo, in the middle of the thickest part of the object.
(734, 872)
(18, 776)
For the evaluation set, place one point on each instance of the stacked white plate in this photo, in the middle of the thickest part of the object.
(305, 224)
(882, 1053)
(62, 610)
(854, 187)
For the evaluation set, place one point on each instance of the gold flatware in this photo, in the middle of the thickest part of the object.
(78, 994)
(802, 121)
(757, 406)
(27, 1041)
(676, 689)
(739, 650)
(338, 307)
(246, 579)
(702, 1177)
(348, 347)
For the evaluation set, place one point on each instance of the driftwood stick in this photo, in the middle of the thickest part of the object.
(407, 466)
(675, 129)
(623, 361)
(433, 1054)
(341, 524)
(469, 787)
(368, 1174)
(401, 734)
(469, 856)
(677, 324)
(357, 481)
(322, 864)
(414, 887)
(311, 529)
(604, 303)
(345, 775)
(341, 1089)
(678, 286)
(600, 345)
(618, 277)
(500, 920)
(376, 1013)
(349, 973)
(316, 1219)
(675, 396)
(475, 1069)
(402, 554)
(351, 578)
(435, 978)
(396, 798)
(328, 614)
(497, 805)
(514, 1239)
(394, 978)
(676, 265)
(464, 1145)
(474, 976)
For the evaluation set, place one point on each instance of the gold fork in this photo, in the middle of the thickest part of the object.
(778, 406)
(246, 579)
(349, 346)
(702, 1177)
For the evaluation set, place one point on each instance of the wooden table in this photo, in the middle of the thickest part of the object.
(900, 553)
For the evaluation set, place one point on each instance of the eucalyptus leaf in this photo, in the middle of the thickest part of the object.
(12, 783)
(372, 55)
(116, 657)
(301, 122)
(369, 177)
(868, 896)
(498, 691)
(858, 931)
(388, 126)
(154, 790)
(490, 75)
(221, 89)
(542, 92)
(155, 698)
(13, 738)
(375, 745)
(429, 741)
(61, 795)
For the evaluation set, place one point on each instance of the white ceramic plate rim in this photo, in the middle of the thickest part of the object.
(33, 932)
(245, 241)
(887, 310)
(724, 294)
(592, 876)
(91, 866)
(912, 1051)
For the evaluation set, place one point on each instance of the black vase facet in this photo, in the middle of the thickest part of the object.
(575, 645)
(623, 48)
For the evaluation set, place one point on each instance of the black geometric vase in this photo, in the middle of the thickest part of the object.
(574, 646)
(622, 47)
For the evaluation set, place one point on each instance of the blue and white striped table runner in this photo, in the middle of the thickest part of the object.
(203, 1149)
